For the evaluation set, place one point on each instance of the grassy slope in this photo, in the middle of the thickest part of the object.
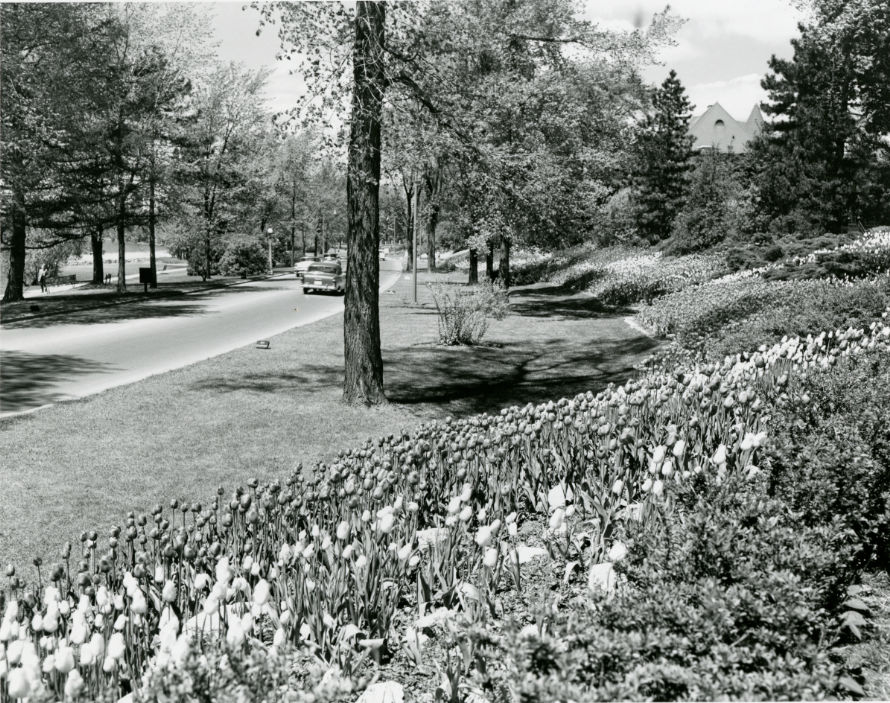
(256, 413)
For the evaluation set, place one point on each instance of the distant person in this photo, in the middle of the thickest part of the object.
(41, 278)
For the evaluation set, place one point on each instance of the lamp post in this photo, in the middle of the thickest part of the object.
(269, 232)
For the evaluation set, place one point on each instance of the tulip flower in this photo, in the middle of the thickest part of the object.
(557, 518)
(18, 683)
(617, 552)
(235, 634)
(65, 659)
(491, 558)
(261, 592)
(465, 514)
(617, 486)
(512, 529)
(361, 562)
(483, 536)
(466, 493)
(720, 455)
(347, 551)
(343, 531)
(454, 505)
(138, 604)
(657, 488)
(73, 684)
(169, 592)
(386, 523)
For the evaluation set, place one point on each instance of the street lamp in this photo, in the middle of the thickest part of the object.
(269, 232)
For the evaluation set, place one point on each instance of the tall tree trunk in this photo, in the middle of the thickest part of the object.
(206, 274)
(98, 264)
(409, 228)
(489, 261)
(303, 237)
(152, 263)
(415, 242)
(504, 265)
(15, 283)
(121, 246)
(293, 230)
(431, 220)
(361, 328)
(474, 267)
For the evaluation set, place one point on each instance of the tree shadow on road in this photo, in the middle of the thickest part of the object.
(28, 380)
(148, 309)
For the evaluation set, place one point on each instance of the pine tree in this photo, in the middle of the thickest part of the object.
(660, 176)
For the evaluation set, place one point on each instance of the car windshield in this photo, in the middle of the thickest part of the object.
(322, 268)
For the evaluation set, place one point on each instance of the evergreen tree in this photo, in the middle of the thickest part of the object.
(824, 163)
(660, 177)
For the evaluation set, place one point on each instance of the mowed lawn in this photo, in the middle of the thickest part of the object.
(84, 464)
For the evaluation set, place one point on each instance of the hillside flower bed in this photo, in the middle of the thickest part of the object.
(623, 484)
(620, 275)
(723, 316)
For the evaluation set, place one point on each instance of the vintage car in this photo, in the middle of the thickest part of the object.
(303, 264)
(324, 276)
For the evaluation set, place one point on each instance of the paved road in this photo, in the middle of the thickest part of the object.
(46, 360)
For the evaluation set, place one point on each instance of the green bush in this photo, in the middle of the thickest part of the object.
(731, 600)
(244, 255)
(464, 313)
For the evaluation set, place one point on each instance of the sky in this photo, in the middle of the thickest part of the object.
(721, 53)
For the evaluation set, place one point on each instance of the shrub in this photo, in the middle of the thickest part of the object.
(464, 313)
(244, 255)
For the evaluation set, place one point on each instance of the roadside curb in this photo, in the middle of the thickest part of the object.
(136, 299)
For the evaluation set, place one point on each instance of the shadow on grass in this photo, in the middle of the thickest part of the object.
(28, 380)
(310, 379)
(471, 380)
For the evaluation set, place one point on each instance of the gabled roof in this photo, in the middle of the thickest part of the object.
(717, 128)
(755, 121)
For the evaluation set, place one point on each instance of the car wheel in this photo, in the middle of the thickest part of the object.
(307, 291)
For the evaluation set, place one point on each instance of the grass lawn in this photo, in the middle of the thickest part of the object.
(256, 413)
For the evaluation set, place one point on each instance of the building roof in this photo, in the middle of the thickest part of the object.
(716, 128)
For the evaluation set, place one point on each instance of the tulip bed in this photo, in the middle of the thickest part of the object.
(642, 490)
(723, 316)
(622, 276)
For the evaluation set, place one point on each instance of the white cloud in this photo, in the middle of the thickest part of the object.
(762, 20)
(738, 95)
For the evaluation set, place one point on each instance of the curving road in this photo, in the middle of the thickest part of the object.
(47, 360)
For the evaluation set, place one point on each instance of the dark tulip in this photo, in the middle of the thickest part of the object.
(83, 565)
(174, 504)
(38, 561)
(139, 571)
